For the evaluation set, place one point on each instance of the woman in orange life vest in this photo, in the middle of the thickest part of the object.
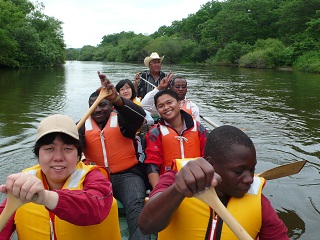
(175, 214)
(177, 135)
(126, 89)
(72, 200)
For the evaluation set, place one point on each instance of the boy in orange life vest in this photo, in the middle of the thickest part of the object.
(180, 86)
(72, 200)
(175, 214)
(177, 135)
(108, 139)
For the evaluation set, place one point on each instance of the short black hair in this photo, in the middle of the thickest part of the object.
(50, 137)
(177, 77)
(220, 140)
(122, 83)
(165, 91)
(94, 94)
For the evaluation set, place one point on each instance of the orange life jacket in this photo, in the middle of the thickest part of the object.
(108, 147)
(175, 146)
(186, 106)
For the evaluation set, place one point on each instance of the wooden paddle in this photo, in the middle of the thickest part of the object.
(148, 82)
(211, 198)
(213, 124)
(283, 170)
(12, 205)
(103, 93)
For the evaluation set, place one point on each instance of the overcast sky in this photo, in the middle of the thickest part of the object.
(87, 21)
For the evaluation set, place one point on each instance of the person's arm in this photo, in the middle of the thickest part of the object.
(272, 227)
(10, 227)
(154, 154)
(193, 178)
(158, 211)
(131, 117)
(149, 119)
(195, 111)
(90, 205)
(202, 133)
(137, 80)
(148, 102)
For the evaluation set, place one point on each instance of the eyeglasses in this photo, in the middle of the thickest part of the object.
(180, 86)
(124, 88)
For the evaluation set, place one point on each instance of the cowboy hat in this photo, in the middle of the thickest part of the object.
(153, 56)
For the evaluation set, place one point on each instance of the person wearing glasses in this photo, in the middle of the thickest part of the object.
(176, 136)
(180, 86)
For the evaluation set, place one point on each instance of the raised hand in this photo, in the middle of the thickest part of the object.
(164, 83)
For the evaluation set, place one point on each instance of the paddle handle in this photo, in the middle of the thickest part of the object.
(148, 82)
(211, 198)
(12, 205)
(103, 93)
(209, 121)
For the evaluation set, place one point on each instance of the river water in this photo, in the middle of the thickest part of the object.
(279, 110)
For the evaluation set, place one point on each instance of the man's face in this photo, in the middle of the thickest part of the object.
(168, 107)
(180, 87)
(236, 170)
(155, 65)
(102, 112)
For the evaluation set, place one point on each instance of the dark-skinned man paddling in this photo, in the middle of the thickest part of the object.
(108, 138)
(174, 213)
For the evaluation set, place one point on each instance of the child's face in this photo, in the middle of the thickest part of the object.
(236, 170)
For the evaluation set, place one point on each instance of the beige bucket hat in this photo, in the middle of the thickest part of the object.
(153, 56)
(58, 123)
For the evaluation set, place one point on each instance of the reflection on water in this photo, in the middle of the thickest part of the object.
(278, 110)
(293, 222)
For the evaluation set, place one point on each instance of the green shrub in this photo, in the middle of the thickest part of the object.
(231, 53)
(269, 53)
(308, 62)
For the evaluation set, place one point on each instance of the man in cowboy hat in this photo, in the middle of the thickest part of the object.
(153, 76)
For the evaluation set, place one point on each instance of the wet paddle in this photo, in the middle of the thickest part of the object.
(103, 93)
(283, 170)
(211, 198)
(12, 205)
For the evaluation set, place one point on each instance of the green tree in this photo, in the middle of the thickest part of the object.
(29, 38)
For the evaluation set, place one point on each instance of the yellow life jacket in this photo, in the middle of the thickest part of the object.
(191, 219)
(33, 220)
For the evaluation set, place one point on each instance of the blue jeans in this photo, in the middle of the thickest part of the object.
(130, 190)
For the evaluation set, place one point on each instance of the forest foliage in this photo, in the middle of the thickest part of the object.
(244, 33)
(29, 38)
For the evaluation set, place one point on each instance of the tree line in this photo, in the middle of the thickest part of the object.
(244, 33)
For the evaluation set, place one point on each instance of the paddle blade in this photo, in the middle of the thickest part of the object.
(283, 171)
(11, 206)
